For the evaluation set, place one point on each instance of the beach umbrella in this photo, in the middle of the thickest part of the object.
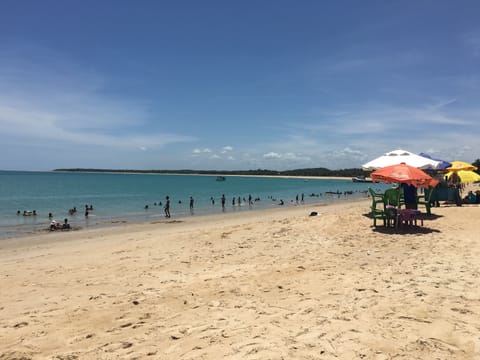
(466, 176)
(443, 164)
(401, 156)
(461, 165)
(403, 173)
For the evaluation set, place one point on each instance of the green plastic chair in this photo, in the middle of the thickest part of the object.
(425, 200)
(395, 200)
(377, 198)
(392, 197)
(376, 212)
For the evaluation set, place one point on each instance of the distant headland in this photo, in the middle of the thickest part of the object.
(320, 172)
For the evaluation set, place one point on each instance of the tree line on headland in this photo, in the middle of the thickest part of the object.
(296, 172)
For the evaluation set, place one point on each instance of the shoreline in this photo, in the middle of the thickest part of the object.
(39, 224)
(64, 191)
(35, 229)
(106, 227)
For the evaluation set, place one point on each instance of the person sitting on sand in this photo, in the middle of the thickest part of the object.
(65, 225)
(471, 198)
(54, 225)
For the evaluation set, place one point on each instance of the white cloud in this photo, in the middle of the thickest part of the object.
(350, 151)
(295, 157)
(40, 125)
(354, 134)
(201, 151)
(53, 100)
(272, 155)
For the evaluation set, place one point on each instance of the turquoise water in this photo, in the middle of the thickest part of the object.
(123, 197)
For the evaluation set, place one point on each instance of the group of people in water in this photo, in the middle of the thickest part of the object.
(88, 209)
(27, 212)
(72, 211)
(54, 224)
(223, 200)
(238, 201)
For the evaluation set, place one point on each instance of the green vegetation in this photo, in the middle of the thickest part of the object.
(477, 164)
(296, 172)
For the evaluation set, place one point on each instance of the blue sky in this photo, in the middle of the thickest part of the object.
(236, 84)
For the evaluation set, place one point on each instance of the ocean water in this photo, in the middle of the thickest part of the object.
(123, 197)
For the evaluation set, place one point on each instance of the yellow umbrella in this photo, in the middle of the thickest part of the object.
(461, 165)
(466, 176)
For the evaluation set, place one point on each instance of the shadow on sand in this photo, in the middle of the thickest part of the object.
(406, 229)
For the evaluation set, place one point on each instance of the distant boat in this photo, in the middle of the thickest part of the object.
(361, 178)
(221, 178)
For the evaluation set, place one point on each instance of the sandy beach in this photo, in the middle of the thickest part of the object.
(276, 284)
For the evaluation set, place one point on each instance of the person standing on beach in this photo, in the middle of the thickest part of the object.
(223, 201)
(167, 207)
(409, 196)
(191, 202)
(455, 182)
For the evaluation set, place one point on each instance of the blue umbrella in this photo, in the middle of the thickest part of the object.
(444, 164)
